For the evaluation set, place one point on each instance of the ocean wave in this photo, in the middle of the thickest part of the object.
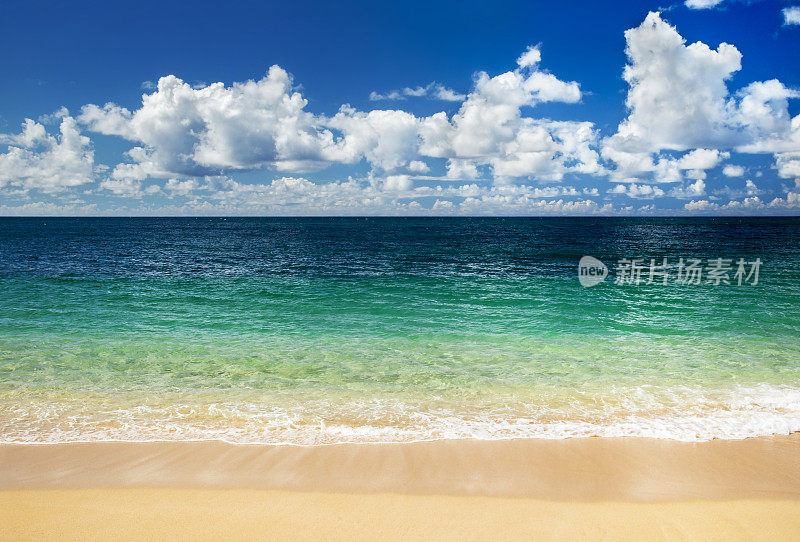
(680, 413)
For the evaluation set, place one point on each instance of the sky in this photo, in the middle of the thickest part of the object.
(400, 108)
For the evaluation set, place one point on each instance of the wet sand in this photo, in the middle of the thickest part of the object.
(589, 488)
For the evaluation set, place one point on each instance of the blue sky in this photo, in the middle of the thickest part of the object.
(499, 108)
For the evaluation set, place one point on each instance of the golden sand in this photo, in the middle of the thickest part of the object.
(639, 489)
(241, 514)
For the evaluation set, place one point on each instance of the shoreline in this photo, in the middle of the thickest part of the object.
(634, 469)
(585, 488)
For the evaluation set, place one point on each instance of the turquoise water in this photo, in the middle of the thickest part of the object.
(314, 331)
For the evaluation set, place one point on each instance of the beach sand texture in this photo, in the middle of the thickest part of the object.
(612, 489)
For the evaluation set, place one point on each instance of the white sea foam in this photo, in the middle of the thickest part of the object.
(680, 413)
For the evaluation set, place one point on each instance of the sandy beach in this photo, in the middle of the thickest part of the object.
(590, 488)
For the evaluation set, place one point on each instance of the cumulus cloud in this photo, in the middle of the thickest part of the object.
(679, 101)
(42, 208)
(188, 131)
(690, 190)
(788, 164)
(387, 139)
(122, 187)
(733, 171)
(531, 206)
(490, 128)
(702, 159)
(389, 195)
(181, 131)
(38, 160)
(747, 205)
(397, 183)
(418, 166)
(791, 15)
(702, 4)
(677, 95)
(752, 203)
(491, 152)
(634, 190)
(177, 187)
(55, 117)
(750, 189)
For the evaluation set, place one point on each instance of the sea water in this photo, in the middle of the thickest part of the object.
(328, 330)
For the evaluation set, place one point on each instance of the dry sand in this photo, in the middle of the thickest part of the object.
(191, 514)
(640, 489)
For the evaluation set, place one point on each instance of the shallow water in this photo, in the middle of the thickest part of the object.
(312, 330)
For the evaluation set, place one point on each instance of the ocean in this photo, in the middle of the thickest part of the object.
(316, 331)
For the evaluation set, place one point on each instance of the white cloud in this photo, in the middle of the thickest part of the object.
(791, 15)
(418, 166)
(433, 90)
(177, 187)
(530, 58)
(763, 111)
(788, 164)
(702, 159)
(181, 131)
(42, 208)
(750, 189)
(700, 205)
(390, 195)
(462, 169)
(387, 139)
(678, 100)
(733, 171)
(446, 94)
(397, 183)
(415, 92)
(490, 129)
(55, 117)
(48, 163)
(745, 205)
(634, 190)
(190, 131)
(443, 205)
(786, 147)
(702, 4)
(677, 95)
(690, 190)
(122, 187)
(750, 204)
(499, 204)
(682, 122)
(391, 95)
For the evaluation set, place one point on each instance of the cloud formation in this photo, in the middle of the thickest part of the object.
(702, 4)
(679, 101)
(185, 131)
(434, 91)
(791, 15)
(36, 160)
(493, 152)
